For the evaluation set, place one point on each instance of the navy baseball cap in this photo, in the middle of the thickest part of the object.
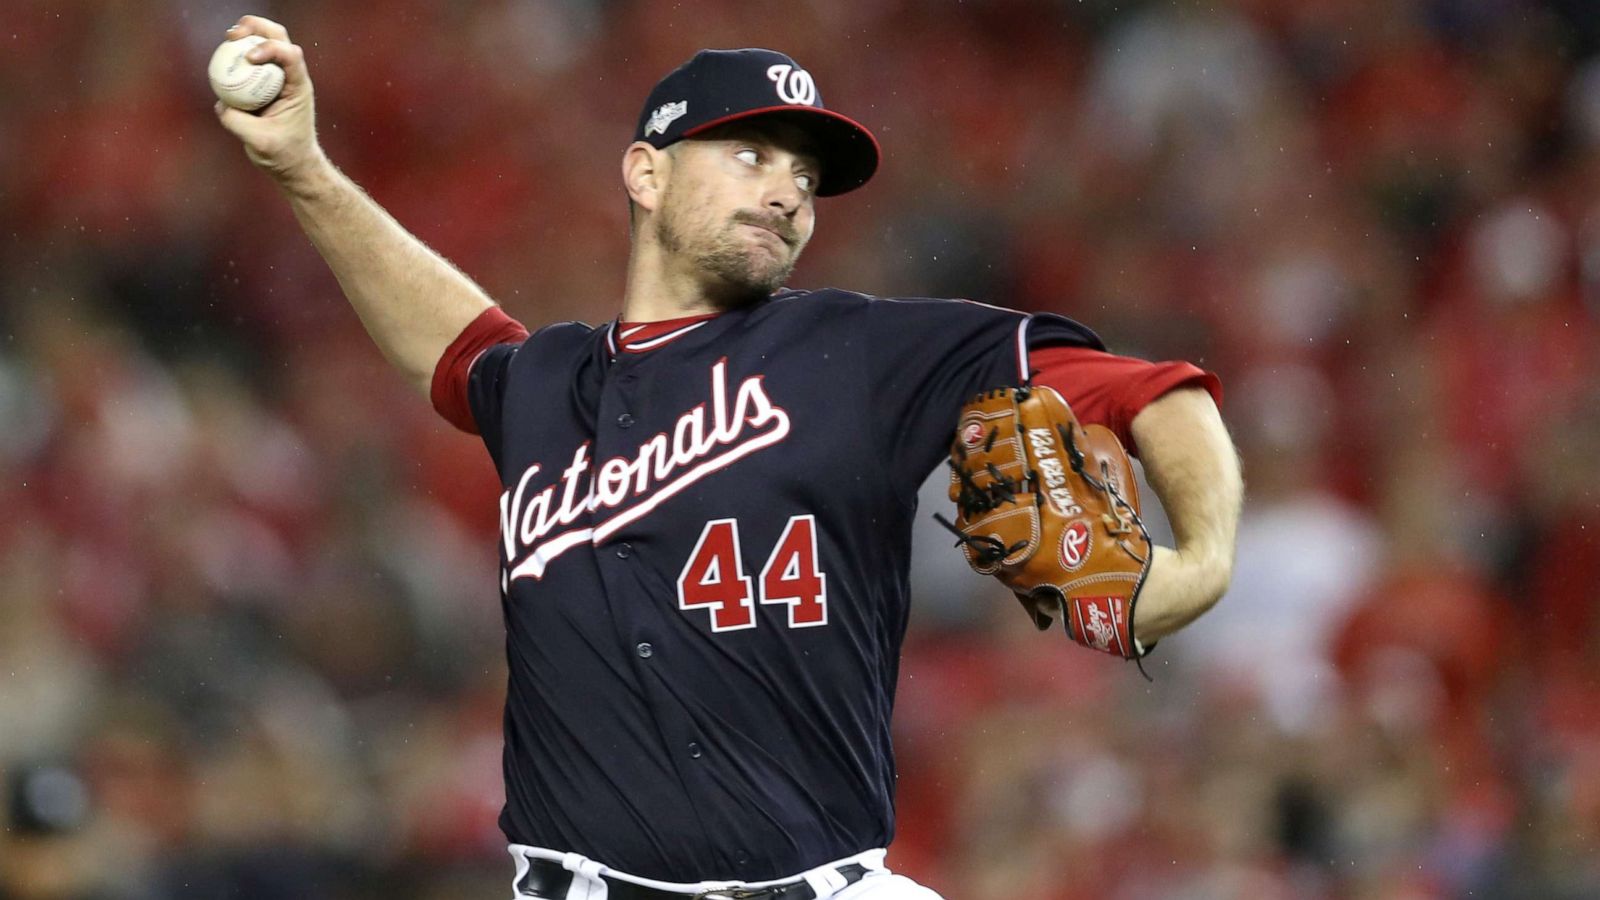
(720, 86)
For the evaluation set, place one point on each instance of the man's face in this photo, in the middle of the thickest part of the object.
(739, 205)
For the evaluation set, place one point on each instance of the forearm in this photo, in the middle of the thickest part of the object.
(1191, 464)
(412, 301)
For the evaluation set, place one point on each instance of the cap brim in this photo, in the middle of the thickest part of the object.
(846, 150)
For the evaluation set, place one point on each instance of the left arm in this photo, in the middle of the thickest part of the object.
(1191, 463)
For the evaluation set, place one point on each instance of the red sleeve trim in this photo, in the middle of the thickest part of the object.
(451, 374)
(1110, 390)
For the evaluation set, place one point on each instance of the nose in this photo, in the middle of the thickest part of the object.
(783, 195)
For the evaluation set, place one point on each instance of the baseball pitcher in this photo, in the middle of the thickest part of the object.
(707, 507)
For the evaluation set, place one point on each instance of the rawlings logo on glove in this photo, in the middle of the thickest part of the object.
(1051, 508)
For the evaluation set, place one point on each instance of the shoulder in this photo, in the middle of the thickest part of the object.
(564, 334)
(814, 311)
(840, 300)
(946, 307)
(919, 318)
(818, 299)
(555, 343)
(566, 331)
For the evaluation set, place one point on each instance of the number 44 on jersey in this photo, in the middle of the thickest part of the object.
(715, 577)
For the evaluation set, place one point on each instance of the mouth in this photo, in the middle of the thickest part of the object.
(787, 240)
(765, 230)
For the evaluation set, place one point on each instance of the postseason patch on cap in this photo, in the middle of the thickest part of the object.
(664, 116)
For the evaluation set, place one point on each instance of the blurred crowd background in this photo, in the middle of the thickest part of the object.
(249, 638)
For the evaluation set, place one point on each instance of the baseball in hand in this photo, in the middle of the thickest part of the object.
(241, 83)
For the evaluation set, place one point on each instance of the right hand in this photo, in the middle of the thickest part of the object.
(281, 138)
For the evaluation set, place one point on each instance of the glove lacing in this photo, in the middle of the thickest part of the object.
(974, 499)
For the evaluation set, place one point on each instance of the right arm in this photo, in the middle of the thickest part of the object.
(412, 301)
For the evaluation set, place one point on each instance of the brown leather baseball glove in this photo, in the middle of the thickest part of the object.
(1051, 509)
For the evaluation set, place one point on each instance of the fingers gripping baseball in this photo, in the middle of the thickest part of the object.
(267, 28)
(281, 136)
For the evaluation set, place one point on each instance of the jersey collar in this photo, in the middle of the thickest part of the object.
(642, 337)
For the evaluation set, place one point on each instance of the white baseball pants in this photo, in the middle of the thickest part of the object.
(878, 884)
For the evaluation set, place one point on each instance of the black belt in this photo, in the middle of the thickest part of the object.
(548, 880)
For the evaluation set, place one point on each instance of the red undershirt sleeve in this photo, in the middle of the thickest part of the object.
(449, 389)
(1106, 389)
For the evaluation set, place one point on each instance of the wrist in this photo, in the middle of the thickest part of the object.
(308, 177)
(1181, 586)
(1208, 569)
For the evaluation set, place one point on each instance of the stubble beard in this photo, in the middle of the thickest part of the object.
(745, 275)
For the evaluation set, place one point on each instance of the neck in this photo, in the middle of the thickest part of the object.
(669, 286)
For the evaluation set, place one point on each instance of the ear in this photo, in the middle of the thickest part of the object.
(644, 174)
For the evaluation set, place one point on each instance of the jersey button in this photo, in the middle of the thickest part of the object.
(624, 421)
(694, 750)
(624, 551)
(645, 650)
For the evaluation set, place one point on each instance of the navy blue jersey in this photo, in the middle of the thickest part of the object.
(704, 552)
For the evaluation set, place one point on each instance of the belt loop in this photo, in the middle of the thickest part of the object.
(521, 859)
(586, 872)
(825, 882)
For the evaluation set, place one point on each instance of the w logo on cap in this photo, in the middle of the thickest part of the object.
(795, 86)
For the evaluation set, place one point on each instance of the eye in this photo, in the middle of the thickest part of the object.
(806, 181)
(747, 156)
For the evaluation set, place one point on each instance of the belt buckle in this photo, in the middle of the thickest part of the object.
(733, 894)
